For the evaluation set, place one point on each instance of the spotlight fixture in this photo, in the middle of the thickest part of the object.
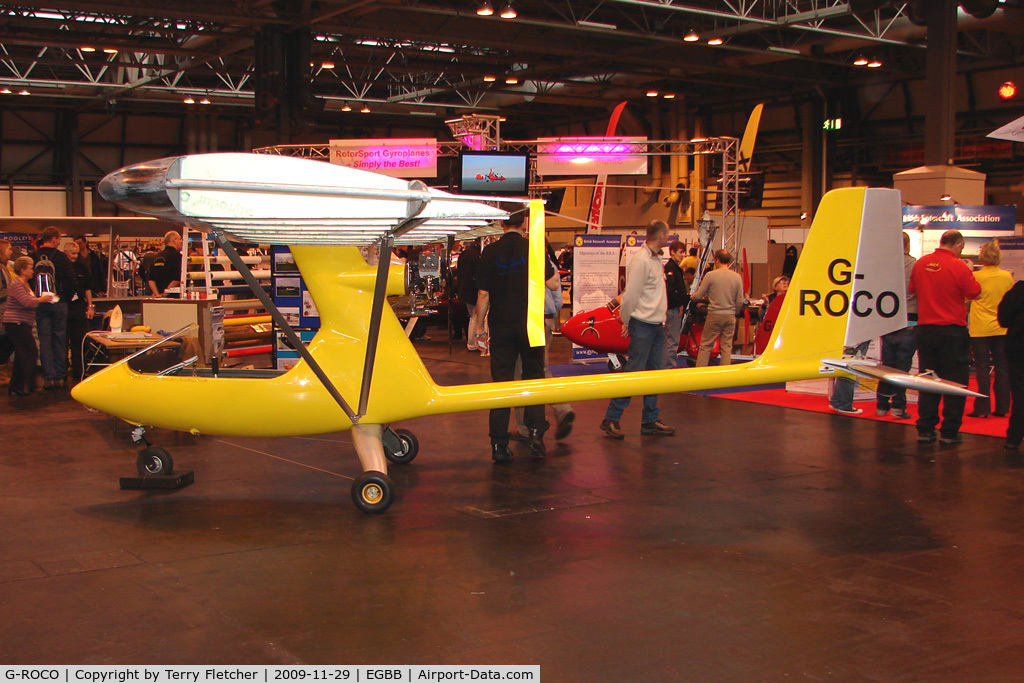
(511, 80)
(652, 93)
(715, 41)
(87, 48)
(24, 92)
(861, 61)
(189, 100)
(669, 96)
(1007, 90)
(508, 11)
(5, 91)
(946, 197)
(691, 37)
(485, 9)
(490, 79)
(874, 63)
(110, 50)
(364, 110)
(327, 65)
(205, 100)
(345, 107)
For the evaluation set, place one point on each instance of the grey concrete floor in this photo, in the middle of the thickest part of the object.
(760, 543)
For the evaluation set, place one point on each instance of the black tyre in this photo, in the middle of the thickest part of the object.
(154, 461)
(372, 492)
(400, 446)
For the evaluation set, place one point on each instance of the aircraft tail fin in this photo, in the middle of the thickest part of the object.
(849, 282)
(748, 139)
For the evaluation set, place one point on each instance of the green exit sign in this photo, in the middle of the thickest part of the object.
(832, 124)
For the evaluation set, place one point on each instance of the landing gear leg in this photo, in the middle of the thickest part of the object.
(372, 491)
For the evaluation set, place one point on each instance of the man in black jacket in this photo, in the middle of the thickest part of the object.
(678, 298)
(52, 317)
(1011, 316)
(502, 280)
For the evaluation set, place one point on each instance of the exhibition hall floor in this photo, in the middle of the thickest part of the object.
(760, 543)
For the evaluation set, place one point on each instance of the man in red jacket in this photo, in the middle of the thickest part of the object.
(942, 283)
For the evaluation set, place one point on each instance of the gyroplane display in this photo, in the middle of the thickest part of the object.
(361, 372)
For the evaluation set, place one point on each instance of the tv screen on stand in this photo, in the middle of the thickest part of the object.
(494, 173)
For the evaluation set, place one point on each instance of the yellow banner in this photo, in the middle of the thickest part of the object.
(538, 261)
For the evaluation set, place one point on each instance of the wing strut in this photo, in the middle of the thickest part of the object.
(415, 206)
(279, 319)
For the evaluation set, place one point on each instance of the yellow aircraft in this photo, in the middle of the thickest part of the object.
(848, 287)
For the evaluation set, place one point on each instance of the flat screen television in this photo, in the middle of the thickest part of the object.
(494, 173)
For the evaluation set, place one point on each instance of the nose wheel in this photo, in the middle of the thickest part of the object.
(154, 461)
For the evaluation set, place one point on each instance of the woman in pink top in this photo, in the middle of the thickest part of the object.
(19, 316)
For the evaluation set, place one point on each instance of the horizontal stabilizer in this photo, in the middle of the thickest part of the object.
(925, 382)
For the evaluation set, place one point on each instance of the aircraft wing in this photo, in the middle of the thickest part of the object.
(270, 199)
(925, 382)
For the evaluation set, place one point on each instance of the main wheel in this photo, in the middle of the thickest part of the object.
(154, 461)
(400, 446)
(372, 492)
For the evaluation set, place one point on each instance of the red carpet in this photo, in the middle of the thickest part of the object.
(990, 426)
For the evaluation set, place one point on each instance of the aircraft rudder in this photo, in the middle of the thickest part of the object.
(813, 319)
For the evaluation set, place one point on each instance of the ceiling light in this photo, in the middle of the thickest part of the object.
(345, 107)
(205, 100)
(1007, 90)
(861, 61)
(596, 24)
(490, 79)
(508, 12)
(691, 37)
(669, 96)
(327, 65)
(5, 91)
(511, 80)
(24, 92)
(189, 100)
(364, 110)
(485, 10)
(945, 198)
(874, 63)
(652, 93)
(715, 41)
(86, 48)
(110, 50)
(698, 140)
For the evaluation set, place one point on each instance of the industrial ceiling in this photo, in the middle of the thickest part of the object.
(556, 62)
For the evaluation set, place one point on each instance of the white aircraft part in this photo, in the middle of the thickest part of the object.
(878, 299)
(291, 200)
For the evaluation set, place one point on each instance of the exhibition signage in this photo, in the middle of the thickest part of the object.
(592, 156)
(398, 157)
(595, 280)
(962, 218)
(1012, 250)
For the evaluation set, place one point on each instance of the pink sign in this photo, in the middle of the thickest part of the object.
(592, 156)
(398, 157)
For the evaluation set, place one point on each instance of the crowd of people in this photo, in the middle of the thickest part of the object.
(947, 336)
(47, 304)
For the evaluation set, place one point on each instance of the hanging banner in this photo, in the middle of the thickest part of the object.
(398, 157)
(592, 156)
(962, 218)
(595, 275)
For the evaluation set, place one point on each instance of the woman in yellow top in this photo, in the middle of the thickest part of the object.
(988, 339)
